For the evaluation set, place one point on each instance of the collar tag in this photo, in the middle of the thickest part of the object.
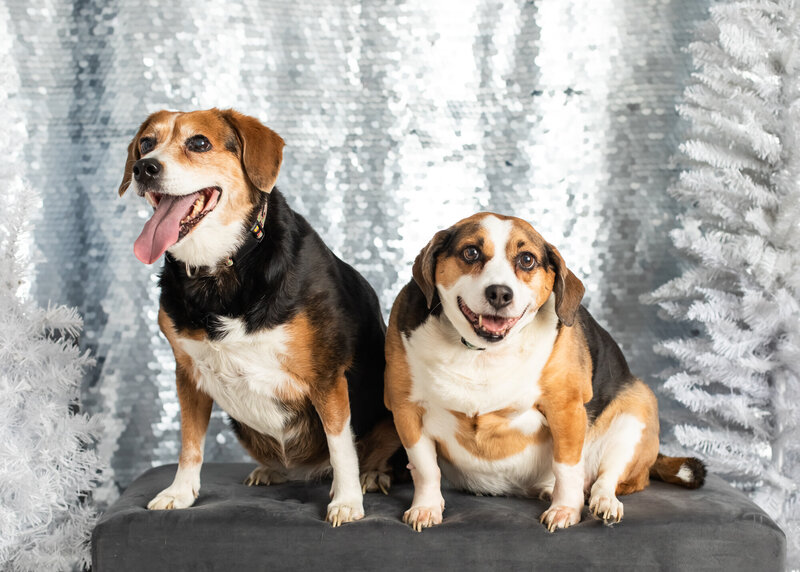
(471, 346)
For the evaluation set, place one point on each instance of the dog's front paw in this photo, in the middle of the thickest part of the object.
(172, 498)
(560, 516)
(342, 512)
(372, 481)
(419, 517)
(606, 507)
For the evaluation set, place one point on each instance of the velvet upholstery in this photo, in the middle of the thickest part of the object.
(281, 527)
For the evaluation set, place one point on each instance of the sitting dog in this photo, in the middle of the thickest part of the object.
(262, 317)
(495, 368)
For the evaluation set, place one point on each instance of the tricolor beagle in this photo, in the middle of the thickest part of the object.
(495, 369)
(262, 317)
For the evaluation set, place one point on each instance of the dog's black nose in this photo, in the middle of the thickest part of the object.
(499, 296)
(146, 170)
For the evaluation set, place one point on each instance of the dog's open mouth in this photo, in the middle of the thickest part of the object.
(173, 218)
(490, 327)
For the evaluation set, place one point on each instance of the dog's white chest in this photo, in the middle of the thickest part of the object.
(244, 372)
(447, 374)
(454, 384)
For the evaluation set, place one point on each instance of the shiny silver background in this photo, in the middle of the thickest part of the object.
(400, 118)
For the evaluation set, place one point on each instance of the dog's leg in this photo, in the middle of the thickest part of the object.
(428, 503)
(568, 427)
(621, 447)
(195, 413)
(618, 447)
(375, 450)
(347, 501)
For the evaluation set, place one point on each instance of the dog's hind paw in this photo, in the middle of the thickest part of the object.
(372, 481)
(606, 507)
(264, 476)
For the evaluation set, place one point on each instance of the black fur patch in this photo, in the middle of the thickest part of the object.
(413, 309)
(290, 271)
(610, 372)
(454, 245)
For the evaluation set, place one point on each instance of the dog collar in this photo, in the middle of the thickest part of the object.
(471, 346)
(256, 232)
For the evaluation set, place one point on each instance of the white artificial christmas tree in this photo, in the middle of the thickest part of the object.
(47, 463)
(740, 373)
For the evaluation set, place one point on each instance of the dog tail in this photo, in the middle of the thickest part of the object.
(688, 472)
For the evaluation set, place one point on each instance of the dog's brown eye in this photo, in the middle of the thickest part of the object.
(526, 260)
(471, 254)
(146, 145)
(198, 144)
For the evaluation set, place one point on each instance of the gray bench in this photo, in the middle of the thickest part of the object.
(280, 527)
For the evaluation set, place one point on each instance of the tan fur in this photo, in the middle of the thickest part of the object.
(134, 153)
(253, 168)
(541, 278)
(195, 405)
(566, 384)
(451, 268)
(262, 149)
(375, 450)
(489, 436)
(637, 400)
(397, 386)
(333, 406)
(300, 361)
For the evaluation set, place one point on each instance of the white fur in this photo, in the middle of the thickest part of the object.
(184, 488)
(609, 454)
(210, 241)
(606, 460)
(346, 497)
(472, 289)
(426, 474)
(447, 376)
(568, 489)
(567, 504)
(685, 474)
(242, 372)
(428, 503)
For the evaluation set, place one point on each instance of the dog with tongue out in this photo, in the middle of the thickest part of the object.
(262, 317)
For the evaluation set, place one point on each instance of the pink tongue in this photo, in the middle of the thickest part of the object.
(495, 324)
(161, 231)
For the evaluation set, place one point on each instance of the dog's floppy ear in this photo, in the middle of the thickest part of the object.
(569, 290)
(424, 269)
(133, 155)
(262, 149)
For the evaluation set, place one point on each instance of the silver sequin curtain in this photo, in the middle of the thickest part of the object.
(400, 117)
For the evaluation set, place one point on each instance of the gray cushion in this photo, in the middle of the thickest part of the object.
(281, 527)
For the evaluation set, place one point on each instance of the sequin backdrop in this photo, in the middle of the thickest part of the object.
(400, 118)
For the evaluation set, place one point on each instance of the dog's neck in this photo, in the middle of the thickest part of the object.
(258, 271)
(252, 238)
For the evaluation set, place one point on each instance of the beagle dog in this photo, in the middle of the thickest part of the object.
(262, 317)
(496, 371)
